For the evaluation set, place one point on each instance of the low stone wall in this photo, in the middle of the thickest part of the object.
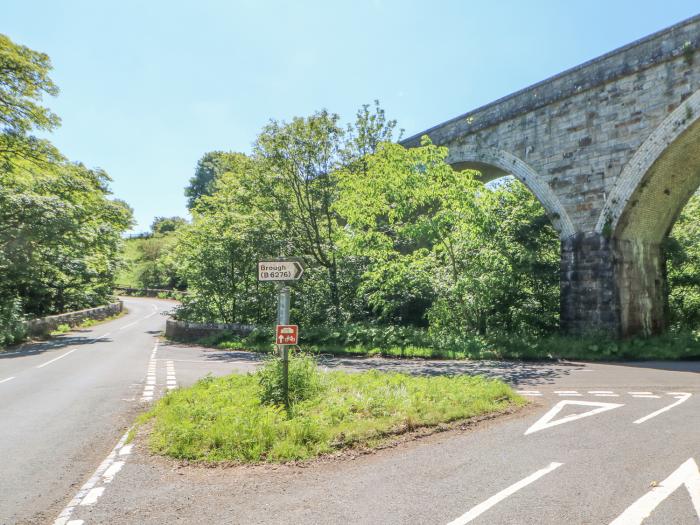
(45, 325)
(187, 331)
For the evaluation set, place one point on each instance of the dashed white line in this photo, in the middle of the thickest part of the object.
(171, 381)
(92, 496)
(640, 393)
(497, 498)
(567, 393)
(646, 396)
(7, 379)
(682, 397)
(56, 358)
(93, 488)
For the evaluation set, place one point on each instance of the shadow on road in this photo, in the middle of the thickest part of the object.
(58, 342)
(517, 373)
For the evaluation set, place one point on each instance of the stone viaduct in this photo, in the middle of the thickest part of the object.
(611, 148)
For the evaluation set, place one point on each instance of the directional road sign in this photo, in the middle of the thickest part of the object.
(287, 334)
(280, 270)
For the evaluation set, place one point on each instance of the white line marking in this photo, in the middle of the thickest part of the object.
(682, 398)
(129, 325)
(75, 522)
(687, 474)
(92, 496)
(57, 358)
(546, 420)
(640, 393)
(600, 391)
(646, 396)
(126, 449)
(607, 395)
(88, 493)
(566, 391)
(497, 498)
(570, 395)
(7, 379)
(112, 471)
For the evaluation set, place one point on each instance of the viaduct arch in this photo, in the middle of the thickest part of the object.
(611, 148)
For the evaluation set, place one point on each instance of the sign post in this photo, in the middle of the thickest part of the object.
(283, 271)
(283, 303)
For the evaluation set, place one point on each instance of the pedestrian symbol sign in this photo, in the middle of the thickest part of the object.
(287, 334)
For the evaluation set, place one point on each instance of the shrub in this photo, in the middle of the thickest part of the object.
(12, 327)
(305, 380)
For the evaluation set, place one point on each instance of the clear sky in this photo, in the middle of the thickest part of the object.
(148, 86)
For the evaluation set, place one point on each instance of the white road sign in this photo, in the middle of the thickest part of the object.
(279, 270)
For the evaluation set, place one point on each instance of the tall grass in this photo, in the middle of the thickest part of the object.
(233, 418)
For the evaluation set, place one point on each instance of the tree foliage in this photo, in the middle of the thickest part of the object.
(60, 233)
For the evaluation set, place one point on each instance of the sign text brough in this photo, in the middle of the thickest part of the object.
(279, 270)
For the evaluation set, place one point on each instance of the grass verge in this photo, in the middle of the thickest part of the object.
(224, 419)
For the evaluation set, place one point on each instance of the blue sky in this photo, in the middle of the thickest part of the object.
(147, 87)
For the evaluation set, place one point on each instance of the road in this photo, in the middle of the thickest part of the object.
(600, 444)
(64, 404)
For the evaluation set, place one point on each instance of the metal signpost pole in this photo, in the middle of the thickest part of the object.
(283, 303)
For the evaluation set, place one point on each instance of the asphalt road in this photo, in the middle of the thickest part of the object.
(600, 444)
(63, 405)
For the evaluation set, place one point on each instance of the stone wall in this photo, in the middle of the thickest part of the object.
(45, 325)
(187, 331)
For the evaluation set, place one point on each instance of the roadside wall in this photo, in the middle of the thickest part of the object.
(187, 331)
(45, 325)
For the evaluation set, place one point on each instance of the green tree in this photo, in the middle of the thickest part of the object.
(60, 237)
(24, 80)
(682, 250)
(163, 225)
(209, 168)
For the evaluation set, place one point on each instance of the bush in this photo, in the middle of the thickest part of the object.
(12, 327)
(305, 380)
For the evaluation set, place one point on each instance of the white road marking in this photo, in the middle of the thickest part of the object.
(170, 379)
(92, 496)
(607, 395)
(129, 325)
(56, 358)
(546, 420)
(687, 474)
(90, 492)
(149, 387)
(682, 397)
(75, 522)
(640, 393)
(7, 379)
(600, 391)
(497, 498)
(101, 337)
(112, 471)
(646, 396)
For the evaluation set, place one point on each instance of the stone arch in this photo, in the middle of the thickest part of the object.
(640, 211)
(494, 163)
(658, 180)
